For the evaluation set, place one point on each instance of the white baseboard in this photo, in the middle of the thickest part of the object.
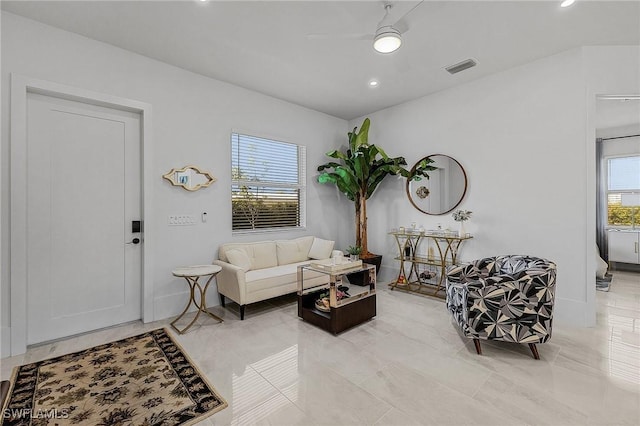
(172, 305)
(565, 311)
(570, 312)
(387, 274)
(5, 342)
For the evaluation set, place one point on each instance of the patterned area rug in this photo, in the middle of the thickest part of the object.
(142, 380)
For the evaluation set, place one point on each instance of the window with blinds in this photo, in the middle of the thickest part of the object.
(623, 191)
(267, 184)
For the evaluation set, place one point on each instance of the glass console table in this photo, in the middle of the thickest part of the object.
(426, 274)
(342, 313)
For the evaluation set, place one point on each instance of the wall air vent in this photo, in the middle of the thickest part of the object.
(461, 66)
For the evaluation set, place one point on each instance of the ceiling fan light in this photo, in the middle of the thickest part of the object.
(387, 40)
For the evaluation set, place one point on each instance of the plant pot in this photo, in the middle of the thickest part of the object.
(360, 278)
(374, 259)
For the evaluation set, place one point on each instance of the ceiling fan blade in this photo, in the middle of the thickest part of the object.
(401, 24)
(325, 36)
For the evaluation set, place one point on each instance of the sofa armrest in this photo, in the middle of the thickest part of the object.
(231, 282)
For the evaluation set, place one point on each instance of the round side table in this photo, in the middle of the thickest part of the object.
(192, 274)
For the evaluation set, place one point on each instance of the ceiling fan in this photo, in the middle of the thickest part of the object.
(388, 35)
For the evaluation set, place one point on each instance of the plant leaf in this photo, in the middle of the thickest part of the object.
(328, 166)
(337, 154)
(362, 138)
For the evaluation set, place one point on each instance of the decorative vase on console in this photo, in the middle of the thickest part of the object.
(461, 216)
(461, 231)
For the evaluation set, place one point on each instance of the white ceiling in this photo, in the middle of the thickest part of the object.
(264, 45)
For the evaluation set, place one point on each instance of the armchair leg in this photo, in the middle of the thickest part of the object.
(222, 301)
(242, 312)
(534, 350)
(476, 342)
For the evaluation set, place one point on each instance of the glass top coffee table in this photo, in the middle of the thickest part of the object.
(346, 300)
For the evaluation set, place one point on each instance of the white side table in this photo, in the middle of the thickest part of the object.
(192, 274)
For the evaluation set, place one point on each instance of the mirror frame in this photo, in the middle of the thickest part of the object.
(464, 174)
(170, 176)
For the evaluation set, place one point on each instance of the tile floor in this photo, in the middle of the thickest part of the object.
(408, 366)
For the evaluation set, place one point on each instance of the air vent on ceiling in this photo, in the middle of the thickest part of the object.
(461, 66)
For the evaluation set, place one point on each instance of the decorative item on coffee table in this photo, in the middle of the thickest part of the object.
(357, 278)
(354, 252)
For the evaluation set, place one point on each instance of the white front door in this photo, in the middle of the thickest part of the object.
(83, 192)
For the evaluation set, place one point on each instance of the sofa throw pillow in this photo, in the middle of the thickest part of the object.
(321, 249)
(293, 251)
(239, 258)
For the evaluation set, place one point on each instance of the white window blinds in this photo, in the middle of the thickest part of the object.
(267, 183)
(623, 191)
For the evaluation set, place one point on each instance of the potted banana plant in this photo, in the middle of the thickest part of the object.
(358, 171)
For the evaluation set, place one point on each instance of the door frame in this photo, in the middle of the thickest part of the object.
(20, 86)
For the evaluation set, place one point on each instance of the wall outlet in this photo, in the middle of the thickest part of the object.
(181, 220)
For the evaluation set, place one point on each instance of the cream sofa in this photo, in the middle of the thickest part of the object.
(257, 271)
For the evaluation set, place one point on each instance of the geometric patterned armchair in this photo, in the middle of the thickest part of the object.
(508, 298)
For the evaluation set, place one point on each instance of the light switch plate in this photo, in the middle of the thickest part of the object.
(181, 220)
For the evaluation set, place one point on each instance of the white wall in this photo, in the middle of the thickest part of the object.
(192, 120)
(525, 140)
(619, 147)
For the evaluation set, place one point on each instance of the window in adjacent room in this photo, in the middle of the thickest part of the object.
(267, 184)
(623, 191)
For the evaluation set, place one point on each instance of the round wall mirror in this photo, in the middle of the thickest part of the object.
(444, 189)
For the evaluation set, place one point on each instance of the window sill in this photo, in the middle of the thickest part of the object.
(268, 230)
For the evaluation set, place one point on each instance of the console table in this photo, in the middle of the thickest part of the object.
(426, 274)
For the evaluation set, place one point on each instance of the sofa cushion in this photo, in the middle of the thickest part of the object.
(321, 249)
(258, 280)
(292, 251)
(239, 258)
(262, 254)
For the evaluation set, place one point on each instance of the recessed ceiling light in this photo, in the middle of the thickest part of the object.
(373, 83)
(567, 3)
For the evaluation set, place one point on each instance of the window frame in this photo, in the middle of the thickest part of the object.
(608, 191)
(301, 186)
